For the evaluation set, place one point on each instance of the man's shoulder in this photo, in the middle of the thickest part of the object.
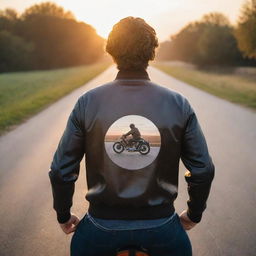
(166, 90)
(100, 89)
(158, 90)
(170, 94)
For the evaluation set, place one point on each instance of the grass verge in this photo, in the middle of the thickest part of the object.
(227, 83)
(23, 94)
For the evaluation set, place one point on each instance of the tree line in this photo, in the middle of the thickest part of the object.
(45, 36)
(214, 41)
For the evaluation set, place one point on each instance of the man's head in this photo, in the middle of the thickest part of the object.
(132, 44)
(132, 126)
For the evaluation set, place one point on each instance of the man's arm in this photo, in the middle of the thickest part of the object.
(65, 166)
(197, 160)
(128, 133)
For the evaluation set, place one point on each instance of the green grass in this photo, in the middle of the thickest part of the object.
(23, 94)
(233, 84)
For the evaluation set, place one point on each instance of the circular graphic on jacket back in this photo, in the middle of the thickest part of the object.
(132, 142)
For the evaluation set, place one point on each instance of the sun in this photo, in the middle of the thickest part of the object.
(105, 14)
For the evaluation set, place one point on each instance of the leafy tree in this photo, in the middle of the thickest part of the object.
(59, 40)
(217, 44)
(209, 41)
(8, 19)
(246, 29)
(15, 52)
(215, 18)
(185, 43)
(46, 9)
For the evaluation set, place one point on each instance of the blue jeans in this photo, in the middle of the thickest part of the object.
(168, 239)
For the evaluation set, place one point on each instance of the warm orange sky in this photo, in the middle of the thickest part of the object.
(166, 16)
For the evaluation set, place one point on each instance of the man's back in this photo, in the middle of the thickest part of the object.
(140, 184)
(148, 192)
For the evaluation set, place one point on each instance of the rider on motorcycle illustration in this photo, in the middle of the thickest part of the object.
(135, 144)
(135, 135)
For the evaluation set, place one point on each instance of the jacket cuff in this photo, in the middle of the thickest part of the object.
(63, 217)
(195, 217)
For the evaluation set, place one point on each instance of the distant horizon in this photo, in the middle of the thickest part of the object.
(154, 140)
(167, 17)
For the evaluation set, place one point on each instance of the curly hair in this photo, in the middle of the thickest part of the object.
(132, 43)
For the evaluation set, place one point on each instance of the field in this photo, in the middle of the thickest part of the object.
(23, 94)
(237, 85)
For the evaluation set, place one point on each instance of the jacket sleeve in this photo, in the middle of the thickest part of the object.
(128, 133)
(197, 160)
(65, 166)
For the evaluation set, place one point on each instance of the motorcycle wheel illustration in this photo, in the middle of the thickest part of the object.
(144, 148)
(118, 147)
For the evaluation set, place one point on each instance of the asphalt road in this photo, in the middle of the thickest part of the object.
(28, 223)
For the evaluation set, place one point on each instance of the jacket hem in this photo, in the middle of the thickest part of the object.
(131, 213)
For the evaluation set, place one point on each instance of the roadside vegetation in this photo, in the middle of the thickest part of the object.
(218, 56)
(214, 41)
(234, 84)
(23, 94)
(45, 36)
(63, 55)
(45, 53)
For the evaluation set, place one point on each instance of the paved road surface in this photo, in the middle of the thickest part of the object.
(28, 226)
(131, 160)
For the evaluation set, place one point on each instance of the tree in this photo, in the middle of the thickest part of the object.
(15, 52)
(60, 40)
(8, 19)
(209, 41)
(46, 9)
(185, 42)
(246, 29)
(217, 44)
(47, 36)
(215, 18)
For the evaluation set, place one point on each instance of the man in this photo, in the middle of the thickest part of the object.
(131, 207)
(135, 135)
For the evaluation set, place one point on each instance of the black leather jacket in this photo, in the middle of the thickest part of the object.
(115, 192)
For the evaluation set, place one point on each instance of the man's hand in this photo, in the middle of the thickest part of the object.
(70, 226)
(186, 222)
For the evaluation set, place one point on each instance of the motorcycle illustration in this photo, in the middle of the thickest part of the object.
(141, 146)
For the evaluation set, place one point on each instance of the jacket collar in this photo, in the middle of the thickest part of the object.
(132, 74)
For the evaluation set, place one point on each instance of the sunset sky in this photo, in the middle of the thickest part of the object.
(122, 126)
(166, 16)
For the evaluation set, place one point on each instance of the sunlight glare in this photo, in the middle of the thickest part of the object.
(167, 17)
